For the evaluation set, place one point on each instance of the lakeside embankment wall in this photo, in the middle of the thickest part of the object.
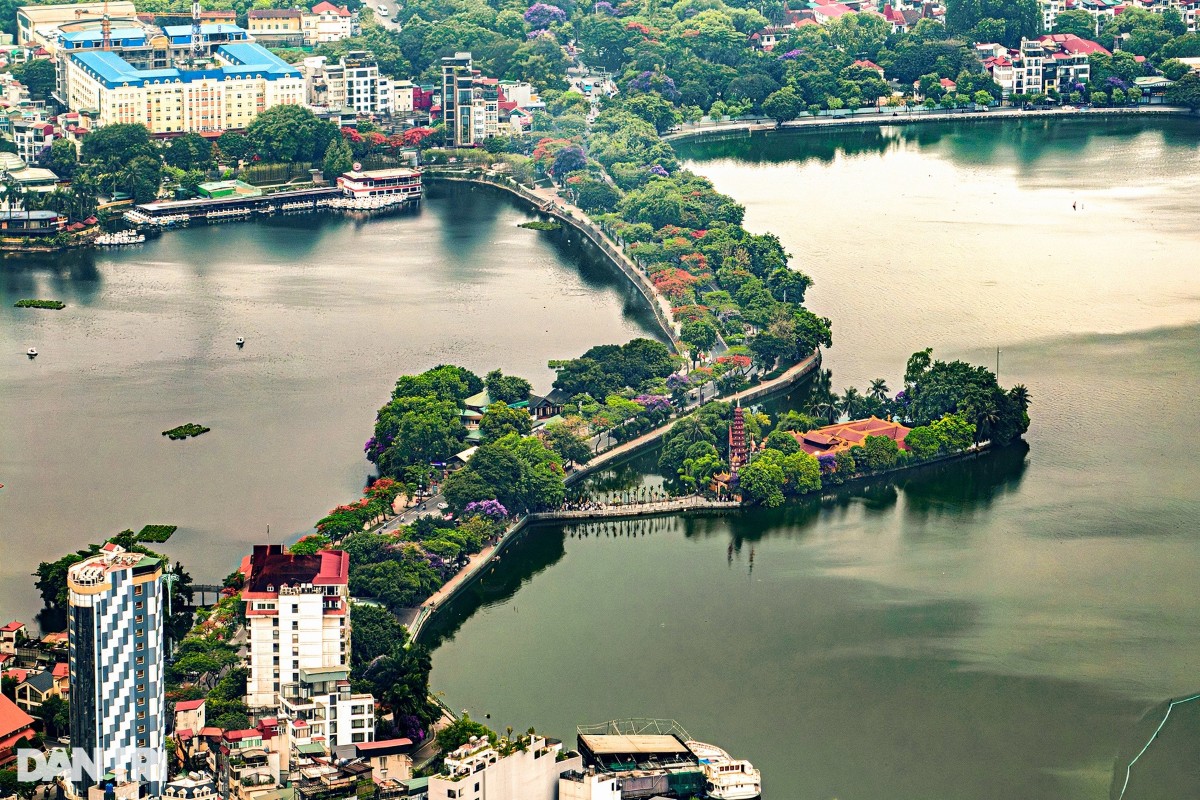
(744, 128)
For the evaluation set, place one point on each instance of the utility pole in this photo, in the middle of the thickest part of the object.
(997, 364)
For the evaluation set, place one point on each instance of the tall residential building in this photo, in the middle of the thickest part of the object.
(458, 81)
(116, 660)
(297, 607)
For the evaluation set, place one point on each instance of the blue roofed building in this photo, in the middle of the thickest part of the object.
(225, 91)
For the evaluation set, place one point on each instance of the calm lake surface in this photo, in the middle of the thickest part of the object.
(331, 310)
(1011, 627)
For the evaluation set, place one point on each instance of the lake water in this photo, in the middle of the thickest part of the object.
(331, 310)
(1005, 628)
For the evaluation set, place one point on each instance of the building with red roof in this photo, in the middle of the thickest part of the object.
(306, 598)
(10, 634)
(15, 727)
(834, 439)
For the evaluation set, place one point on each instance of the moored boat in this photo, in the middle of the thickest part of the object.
(726, 778)
(31, 352)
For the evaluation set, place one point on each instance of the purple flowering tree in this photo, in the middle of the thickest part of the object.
(539, 32)
(655, 82)
(605, 7)
(653, 402)
(827, 462)
(543, 15)
(659, 170)
(790, 55)
(492, 509)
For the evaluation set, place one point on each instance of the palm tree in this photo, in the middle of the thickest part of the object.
(1021, 396)
(879, 390)
(851, 402)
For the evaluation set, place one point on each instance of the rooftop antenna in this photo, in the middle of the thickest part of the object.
(105, 30)
(196, 50)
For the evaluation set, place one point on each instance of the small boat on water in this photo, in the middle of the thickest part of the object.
(240, 342)
(726, 778)
(31, 352)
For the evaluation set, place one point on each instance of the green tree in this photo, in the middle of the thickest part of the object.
(338, 158)
(38, 75)
(289, 133)
(783, 442)
(233, 146)
(113, 146)
(571, 447)
(189, 151)
(784, 104)
(499, 420)
(459, 732)
(881, 452)
(1185, 92)
(1075, 21)
(761, 482)
(700, 336)
(506, 388)
(64, 158)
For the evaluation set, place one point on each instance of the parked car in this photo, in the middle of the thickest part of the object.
(839, 116)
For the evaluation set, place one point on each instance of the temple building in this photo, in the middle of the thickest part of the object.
(833, 439)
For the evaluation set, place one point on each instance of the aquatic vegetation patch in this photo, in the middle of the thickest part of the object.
(156, 533)
(53, 305)
(184, 431)
(540, 225)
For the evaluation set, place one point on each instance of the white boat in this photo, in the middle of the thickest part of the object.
(31, 352)
(726, 778)
(240, 342)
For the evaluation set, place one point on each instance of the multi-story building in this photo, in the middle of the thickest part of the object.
(297, 607)
(478, 771)
(320, 707)
(327, 23)
(10, 634)
(276, 27)
(1067, 61)
(240, 83)
(115, 627)
(31, 137)
(353, 82)
(34, 22)
(458, 81)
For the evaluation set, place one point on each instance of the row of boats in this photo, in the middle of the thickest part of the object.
(119, 238)
(375, 203)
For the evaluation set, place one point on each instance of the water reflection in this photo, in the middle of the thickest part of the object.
(974, 140)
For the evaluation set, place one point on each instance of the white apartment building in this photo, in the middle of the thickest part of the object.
(31, 136)
(478, 771)
(353, 82)
(319, 707)
(243, 81)
(298, 611)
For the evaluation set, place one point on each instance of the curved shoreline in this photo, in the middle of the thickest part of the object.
(570, 215)
(744, 128)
